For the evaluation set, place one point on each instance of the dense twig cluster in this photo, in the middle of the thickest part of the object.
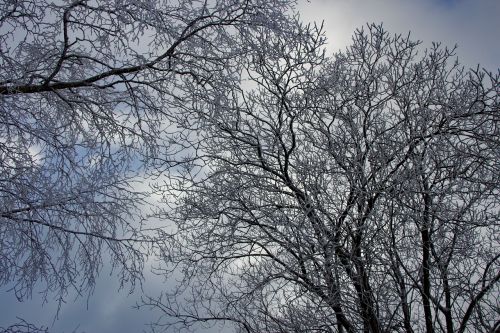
(84, 89)
(358, 193)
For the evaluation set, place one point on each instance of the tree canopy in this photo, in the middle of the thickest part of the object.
(300, 192)
(85, 88)
(357, 193)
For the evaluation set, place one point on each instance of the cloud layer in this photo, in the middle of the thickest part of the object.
(473, 25)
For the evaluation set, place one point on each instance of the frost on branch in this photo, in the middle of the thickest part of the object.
(357, 193)
(86, 87)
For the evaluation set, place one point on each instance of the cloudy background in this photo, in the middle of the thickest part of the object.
(472, 25)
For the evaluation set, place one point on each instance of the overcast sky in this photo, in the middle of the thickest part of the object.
(471, 24)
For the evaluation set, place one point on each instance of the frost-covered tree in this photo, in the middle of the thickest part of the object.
(357, 193)
(85, 87)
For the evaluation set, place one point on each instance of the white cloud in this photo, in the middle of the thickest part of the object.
(471, 24)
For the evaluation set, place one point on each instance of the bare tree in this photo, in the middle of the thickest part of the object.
(358, 193)
(84, 89)
(23, 327)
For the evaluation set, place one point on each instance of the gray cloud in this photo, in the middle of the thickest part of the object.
(107, 310)
(472, 24)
